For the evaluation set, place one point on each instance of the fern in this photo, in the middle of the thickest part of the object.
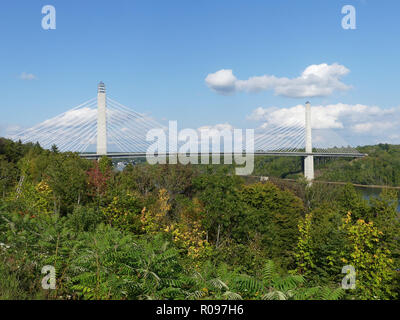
(229, 295)
(268, 272)
(250, 284)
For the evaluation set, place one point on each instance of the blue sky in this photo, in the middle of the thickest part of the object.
(154, 56)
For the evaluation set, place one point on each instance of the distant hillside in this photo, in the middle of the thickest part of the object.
(381, 167)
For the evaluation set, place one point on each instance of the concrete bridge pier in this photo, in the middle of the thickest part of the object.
(308, 160)
(101, 120)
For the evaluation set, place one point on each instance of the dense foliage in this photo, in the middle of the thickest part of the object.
(381, 167)
(188, 232)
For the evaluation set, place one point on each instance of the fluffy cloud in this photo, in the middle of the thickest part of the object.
(71, 118)
(316, 80)
(214, 132)
(376, 126)
(219, 127)
(358, 124)
(220, 132)
(27, 76)
(222, 81)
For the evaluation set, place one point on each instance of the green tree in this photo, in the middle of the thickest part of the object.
(272, 215)
(386, 218)
(321, 245)
(372, 262)
(8, 175)
(351, 200)
(219, 197)
(66, 176)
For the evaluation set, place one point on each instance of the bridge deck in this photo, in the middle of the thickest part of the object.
(276, 154)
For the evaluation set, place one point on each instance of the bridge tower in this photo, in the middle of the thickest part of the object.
(101, 120)
(309, 160)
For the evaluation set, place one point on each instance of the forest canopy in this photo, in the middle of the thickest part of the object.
(195, 232)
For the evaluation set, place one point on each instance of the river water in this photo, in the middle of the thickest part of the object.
(373, 192)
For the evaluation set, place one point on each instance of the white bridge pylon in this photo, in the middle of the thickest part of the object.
(309, 160)
(101, 120)
(104, 126)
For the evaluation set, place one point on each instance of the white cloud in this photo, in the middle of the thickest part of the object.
(315, 80)
(374, 126)
(222, 81)
(72, 118)
(27, 76)
(220, 127)
(220, 131)
(331, 116)
(359, 124)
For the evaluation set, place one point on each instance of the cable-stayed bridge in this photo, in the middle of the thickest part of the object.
(102, 126)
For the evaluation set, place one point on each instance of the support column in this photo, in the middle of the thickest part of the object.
(101, 120)
(309, 160)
